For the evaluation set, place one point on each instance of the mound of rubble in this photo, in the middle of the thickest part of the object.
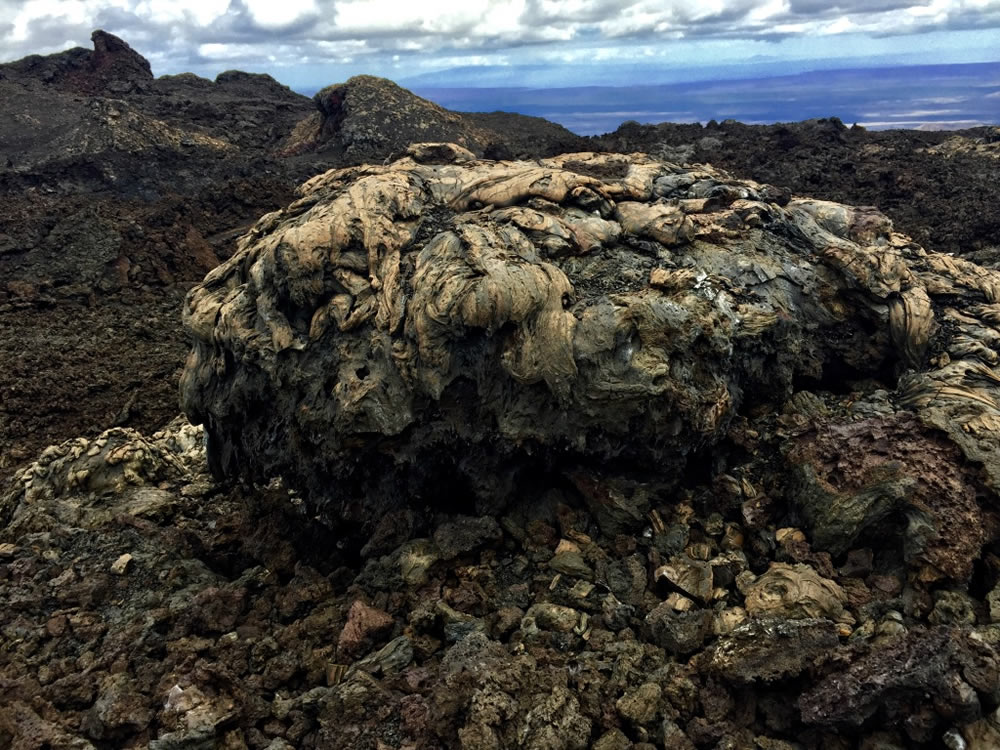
(591, 451)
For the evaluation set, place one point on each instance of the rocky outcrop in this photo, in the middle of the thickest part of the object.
(88, 120)
(500, 321)
(114, 463)
(609, 452)
(115, 65)
(370, 119)
(986, 145)
(113, 68)
(497, 304)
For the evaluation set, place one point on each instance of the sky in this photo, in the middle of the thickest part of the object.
(309, 43)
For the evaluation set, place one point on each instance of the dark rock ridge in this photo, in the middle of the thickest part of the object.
(98, 121)
(112, 68)
(496, 322)
(370, 119)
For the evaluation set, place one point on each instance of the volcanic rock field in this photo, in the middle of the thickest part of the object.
(355, 422)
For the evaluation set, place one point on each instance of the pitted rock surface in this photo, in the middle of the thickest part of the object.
(120, 461)
(445, 314)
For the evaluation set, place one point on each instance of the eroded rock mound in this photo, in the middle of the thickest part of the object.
(112, 68)
(369, 119)
(442, 316)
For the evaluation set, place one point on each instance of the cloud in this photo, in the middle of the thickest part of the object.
(813, 7)
(198, 34)
(277, 15)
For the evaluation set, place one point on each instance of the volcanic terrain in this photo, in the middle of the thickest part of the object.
(493, 436)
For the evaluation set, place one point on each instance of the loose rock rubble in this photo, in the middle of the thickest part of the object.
(237, 621)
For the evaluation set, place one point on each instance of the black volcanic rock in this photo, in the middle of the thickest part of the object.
(113, 68)
(47, 69)
(370, 119)
(115, 188)
(116, 65)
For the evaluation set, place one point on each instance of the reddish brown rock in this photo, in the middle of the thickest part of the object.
(891, 479)
(365, 627)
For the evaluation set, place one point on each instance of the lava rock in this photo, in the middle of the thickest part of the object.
(369, 119)
(945, 668)
(795, 591)
(463, 535)
(364, 626)
(680, 633)
(459, 317)
(768, 650)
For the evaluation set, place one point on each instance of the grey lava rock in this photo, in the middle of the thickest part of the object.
(482, 321)
(767, 650)
(681, 633)
(942, 667)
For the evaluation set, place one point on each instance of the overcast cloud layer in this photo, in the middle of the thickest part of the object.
(382, 36)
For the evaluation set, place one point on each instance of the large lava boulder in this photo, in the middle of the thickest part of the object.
(442, 329)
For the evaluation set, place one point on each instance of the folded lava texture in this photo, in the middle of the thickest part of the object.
(433, 330)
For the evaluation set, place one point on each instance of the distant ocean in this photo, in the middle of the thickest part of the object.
(924, 97)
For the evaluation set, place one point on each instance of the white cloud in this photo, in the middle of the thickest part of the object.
(279, 13)
(200, 12)
(198, 34)
(474, 18)
(71, 11)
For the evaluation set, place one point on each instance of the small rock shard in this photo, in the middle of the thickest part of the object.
(365, 625)
(795, 592)
(122, 565)
(692, 578)
(555, 617)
